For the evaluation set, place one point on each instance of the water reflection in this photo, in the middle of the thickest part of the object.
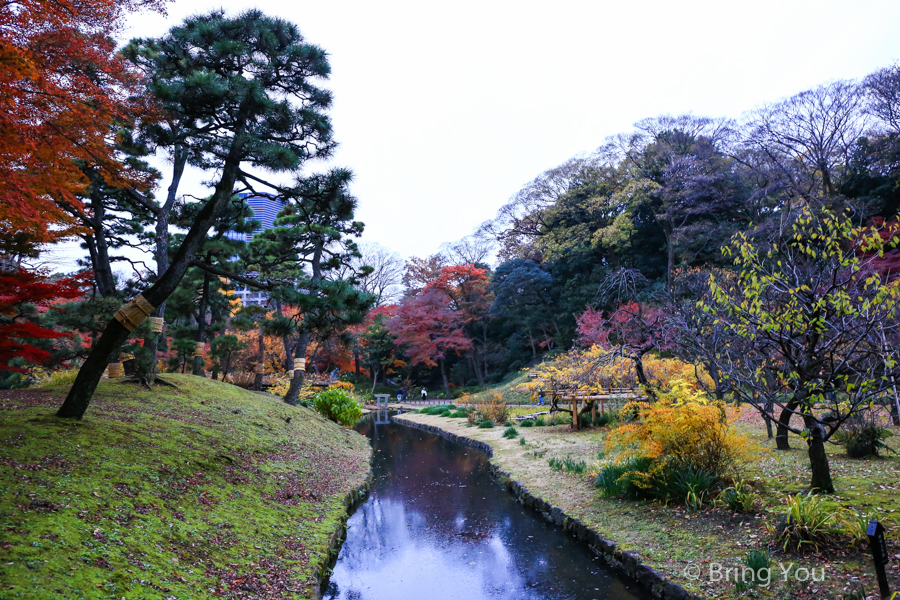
(437, 526)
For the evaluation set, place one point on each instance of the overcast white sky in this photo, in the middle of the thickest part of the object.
(444, 110)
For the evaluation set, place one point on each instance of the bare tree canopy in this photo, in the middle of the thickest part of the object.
(883, 96)
(383, 281)
(810, 135)
(471, 250)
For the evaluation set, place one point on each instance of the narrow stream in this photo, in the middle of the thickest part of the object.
(437, 526)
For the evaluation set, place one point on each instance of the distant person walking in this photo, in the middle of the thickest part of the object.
(424, 394)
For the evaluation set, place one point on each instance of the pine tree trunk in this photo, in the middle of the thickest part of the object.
(477, 368)
(260, 359)
(293, 393)
(161, 256)
(670, 256)
(484, 348)
(201, 324)
(115, 334)
(151, 345)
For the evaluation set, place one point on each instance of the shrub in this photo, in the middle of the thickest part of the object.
(510, 433)
(539, 422)
(810, 521)
(493, 407)
(605, 418)
(687, 430)
(864, 436)
(56, 378)
(527, 423)
(691, 486)
(620, 479)
(631, 411)
(445, 413)
(738, 498)
(338, 406)
(569, 464)
(459, 414)
(522, 441)
(486, 424)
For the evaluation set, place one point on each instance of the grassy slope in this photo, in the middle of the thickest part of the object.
(207, 491)
(670, 539)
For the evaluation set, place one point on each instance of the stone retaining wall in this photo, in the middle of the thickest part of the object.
(625, 562)
(352, 501)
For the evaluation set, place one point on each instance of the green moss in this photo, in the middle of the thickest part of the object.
(170, 493)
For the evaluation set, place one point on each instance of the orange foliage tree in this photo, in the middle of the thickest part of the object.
(62, 88)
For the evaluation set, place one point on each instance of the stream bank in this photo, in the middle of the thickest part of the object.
(538, 488)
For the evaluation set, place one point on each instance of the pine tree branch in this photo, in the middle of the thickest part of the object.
(232, 276)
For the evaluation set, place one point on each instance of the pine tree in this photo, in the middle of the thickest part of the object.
(244, 87)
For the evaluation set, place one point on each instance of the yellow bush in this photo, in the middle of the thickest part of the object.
(685, 429)
(492, 408)
(55, 378)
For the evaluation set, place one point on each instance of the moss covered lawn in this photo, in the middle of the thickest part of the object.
(206, 491)
(671, 539)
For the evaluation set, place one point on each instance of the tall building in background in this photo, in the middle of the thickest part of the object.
(265, 210)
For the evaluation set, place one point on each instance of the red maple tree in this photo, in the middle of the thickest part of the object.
(22, 293)
(429, 329)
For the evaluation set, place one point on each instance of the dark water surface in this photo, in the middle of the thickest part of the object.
(437, 526)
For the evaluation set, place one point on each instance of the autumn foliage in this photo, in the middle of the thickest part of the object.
(23, 293)
(63, 90)
(428, 328)
(684, 430)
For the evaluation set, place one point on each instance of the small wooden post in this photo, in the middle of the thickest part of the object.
(594, 412)
(575, 414)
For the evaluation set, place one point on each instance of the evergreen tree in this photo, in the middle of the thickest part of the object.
(244, 88)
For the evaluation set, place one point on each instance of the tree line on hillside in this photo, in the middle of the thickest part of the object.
(622, 223)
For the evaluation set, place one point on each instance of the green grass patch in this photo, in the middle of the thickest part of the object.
(185, 493)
